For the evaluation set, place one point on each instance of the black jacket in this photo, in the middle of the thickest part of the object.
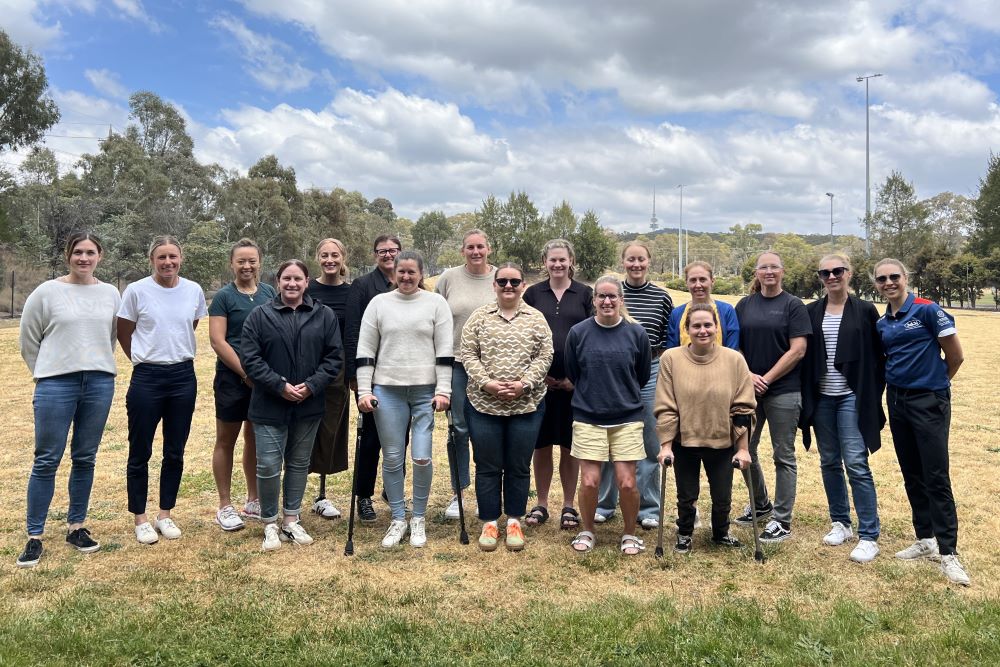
(859, 359)
(363, 290)
(281, 345)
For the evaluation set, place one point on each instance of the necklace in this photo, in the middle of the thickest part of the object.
(249, 295)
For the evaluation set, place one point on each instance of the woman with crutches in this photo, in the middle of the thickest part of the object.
(506, 350)
(704, 409)
(404, 365)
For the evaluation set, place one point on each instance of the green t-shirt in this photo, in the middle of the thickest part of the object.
(232, 304)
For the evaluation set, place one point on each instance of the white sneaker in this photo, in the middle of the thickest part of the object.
(839, 533)
(396, 532)
(168, 528)
(272, 537)
(325, 509)
(294, 532)
(954, 570)
(649, 523)
(600, 518)
(865, 552)
(229, 519)
(452, 511)
(925, 548)
(146, 534)
(251, 510)
(418, 536)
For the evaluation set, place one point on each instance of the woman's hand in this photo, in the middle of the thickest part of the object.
(367, 403)
(440, 403)
(493, 388)
(293, 394)
(666, 455)
(742, 459)
(760, 385)
(304, 390)
(566, 385)
(551, 382)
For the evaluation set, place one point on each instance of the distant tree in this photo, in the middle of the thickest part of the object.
(382, 207)
(561, 223)
(744, 243)
(595, 247)
(206, 254)
(899, 222)
(431, 231)
(523, 226)
(986, 221)
(951, 218)
(160, 130)
(992, 268)
(931, 272)
(971, 276)
(491, 220)
(26, 109)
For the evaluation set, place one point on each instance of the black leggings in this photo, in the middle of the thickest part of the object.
(687, 469)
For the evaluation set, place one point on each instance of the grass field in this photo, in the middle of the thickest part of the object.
(215, 598)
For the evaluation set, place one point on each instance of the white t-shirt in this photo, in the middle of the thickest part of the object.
(164, 320)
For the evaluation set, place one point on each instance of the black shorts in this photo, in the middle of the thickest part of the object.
(232, 396)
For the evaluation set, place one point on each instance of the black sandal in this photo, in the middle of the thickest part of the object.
(570, 519)
(537, 516)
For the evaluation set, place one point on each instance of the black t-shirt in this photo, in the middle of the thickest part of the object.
(333, 297)
(766, 326)
(576, 305)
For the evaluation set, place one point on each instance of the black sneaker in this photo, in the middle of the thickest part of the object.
(366, 512)
(776, 531)
(746, 519)
(727, 541)
(81, 540)
(683, 544)
(32, 553)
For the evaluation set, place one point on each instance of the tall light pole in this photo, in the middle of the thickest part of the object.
(830, 195)
(680, 234)
(868, 183)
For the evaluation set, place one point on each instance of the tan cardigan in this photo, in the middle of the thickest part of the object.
(696, 397)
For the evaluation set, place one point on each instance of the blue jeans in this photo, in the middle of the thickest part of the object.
(291, 445)
(82, 399)
(841, 446)
(399, 407)
(459, 385)
(503, 447)
(647, 470)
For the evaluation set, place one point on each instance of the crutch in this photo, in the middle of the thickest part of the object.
(349, 547)
(663, 497)
(463, 536)
(758, 553)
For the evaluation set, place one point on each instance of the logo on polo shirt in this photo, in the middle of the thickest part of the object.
(942, 319)
(913, 324)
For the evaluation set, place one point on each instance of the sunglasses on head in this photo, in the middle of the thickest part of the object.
(513, 282)
(894, 277)
(836, 272)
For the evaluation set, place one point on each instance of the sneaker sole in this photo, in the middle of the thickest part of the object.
(86, 550)
(775, 540)
(263, 548)
(368, 521)
(761, 518)
(415, 545)
(514, 547)
(24, 565)
(331, 517)
(233, 529)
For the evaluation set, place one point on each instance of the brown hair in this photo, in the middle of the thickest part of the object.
(245, 243)
(77, 238)
(555, 244)
(292, 262)
(382, 238)
(698, 264)
(510, 265)
(414, 256)
(474, 232)
(693, 308)
(344, 271)
(163, 240)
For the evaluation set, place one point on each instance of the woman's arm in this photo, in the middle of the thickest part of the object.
(217, 325)
(33, 323)
(665, 408)
(124, 332)
(953, 356)
(784, 365)
(251, 349)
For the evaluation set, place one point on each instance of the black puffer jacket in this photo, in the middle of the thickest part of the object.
(280, 345)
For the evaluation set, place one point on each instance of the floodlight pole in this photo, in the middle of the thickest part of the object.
(868, 186)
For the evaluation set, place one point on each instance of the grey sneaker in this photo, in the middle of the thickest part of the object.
(251, 510)
(924, 548)
(954, 570)
(229, 519)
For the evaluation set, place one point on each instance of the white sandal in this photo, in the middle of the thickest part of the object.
(632, 542)
(584, 538)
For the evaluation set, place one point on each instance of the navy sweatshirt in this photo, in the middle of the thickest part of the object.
(608, 366)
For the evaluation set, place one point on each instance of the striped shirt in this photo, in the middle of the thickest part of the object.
(650, 306)
(833, 383)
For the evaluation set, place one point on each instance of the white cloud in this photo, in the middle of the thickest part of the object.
(106, 82)
(134, 10)
(264, 57)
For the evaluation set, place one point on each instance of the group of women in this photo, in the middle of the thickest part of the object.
(614, 375)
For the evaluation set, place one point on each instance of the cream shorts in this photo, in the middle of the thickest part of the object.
(616, 443)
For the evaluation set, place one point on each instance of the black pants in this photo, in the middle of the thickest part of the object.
(368, 455)
(719, 469)
(919, 420)
(158, 392)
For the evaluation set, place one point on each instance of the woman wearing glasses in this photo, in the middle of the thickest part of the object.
(914, 334)
(607, 360)
(506, 350)
(774, 328)
(843, 377)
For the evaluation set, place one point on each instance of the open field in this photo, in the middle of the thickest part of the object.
(215, 598)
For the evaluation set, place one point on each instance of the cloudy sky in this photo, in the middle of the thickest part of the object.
(434, 104)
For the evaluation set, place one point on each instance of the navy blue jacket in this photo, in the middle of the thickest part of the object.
(282, 345)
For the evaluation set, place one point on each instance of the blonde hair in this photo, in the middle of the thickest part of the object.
(475, 232)
(555, 244)
(890, 260)
(613, 280)
(344, 272)
(637, 244)
(698, 264)
(163, 240)
(755, 283)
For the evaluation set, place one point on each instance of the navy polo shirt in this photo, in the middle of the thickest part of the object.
(909, 338)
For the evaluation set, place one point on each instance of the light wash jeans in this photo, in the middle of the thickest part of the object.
(781, 412)
(647, 470)
(82, 400)
(399, 407)
(841, 446)
(291, 445)
(459, 386)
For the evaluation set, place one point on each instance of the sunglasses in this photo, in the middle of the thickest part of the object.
(836, 273)
(513, 282)
(894, 277)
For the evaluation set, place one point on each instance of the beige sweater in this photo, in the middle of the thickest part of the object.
(696, 397)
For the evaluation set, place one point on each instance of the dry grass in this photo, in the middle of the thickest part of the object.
(457, 583)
